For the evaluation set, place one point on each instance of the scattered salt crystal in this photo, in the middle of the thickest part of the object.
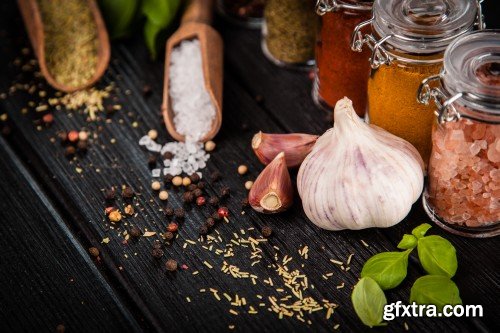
(155, 173)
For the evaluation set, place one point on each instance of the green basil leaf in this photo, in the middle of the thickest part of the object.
(369, 301)
(159, 14)
(408, 242)
(435, 289)
(421, 230)
(388, 269)
(437, 256)
(118, 15)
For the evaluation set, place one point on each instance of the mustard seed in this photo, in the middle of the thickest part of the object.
(156, 185)
(153, 134)
(163, 195)
(83, 135)
(242, 169)
(248, 185)
(209, 146)
(186, 181)
(177, 181)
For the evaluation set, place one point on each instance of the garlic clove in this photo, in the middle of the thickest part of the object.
(296, 146)
(272, 191)
(359, 176)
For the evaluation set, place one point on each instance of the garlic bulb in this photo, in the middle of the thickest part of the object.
(359, 176)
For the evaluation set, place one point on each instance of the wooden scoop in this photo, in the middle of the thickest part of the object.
(34, 25)
(195, 25)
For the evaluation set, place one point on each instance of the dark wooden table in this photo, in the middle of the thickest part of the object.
(52, 211)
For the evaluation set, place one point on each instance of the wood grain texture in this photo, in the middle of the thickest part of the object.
(159, 299)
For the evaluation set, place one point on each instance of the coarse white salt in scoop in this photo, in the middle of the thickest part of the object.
(193, 109)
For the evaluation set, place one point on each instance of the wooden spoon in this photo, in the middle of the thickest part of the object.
(33, 21)
(195, 25)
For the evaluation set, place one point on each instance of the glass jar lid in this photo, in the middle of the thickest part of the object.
(423, 26)
(472, 71)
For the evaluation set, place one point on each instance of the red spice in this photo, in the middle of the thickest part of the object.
(200, 201)
(172, 227)
(73, 136)
(341, 72)
(223, 212)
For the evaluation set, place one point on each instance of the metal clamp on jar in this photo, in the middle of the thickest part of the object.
(335, 60)
(463, 190)
(407, 44)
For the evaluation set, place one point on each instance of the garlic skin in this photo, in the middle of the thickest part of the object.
(272, 191)
(296, 147)
(359, 176)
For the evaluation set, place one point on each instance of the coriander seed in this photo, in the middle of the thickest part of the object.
(209, 146)
(156, 186)
(171, 265)
(163, 195)
(177, 181)
(83, 135)
(266, 231)
(242, 169)
(186, 181)
(173, 227)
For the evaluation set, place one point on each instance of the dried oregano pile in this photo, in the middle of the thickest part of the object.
(71, 41)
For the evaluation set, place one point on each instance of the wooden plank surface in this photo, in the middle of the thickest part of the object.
(159, 299)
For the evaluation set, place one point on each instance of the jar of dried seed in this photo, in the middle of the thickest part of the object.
(463, 189)
(289, 32)
(407, 44)
(246, 13)
(335, 61)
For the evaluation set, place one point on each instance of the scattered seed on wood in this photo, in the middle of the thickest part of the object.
(82, 146)
(149, 233)
(179, 213)
(248, 185)
(195, 178)
(168, 178)
(225, 192)
(210, 222)
(135, 232)
(129, 210)
(197, 192)
(169, 211)
(157, 253)
(153, 134)
(109, 194)
(203, 230)
(152, 161)
(186, 181)
(115, 216)
(94, 252)
(172, 227)
(171, 265)
(242, 169)
(244, 203)
(156, 186)
(127, 192)
(73, 136)
(201, 185)
(70, 151)
(266, 231)
(168, 236)
(188, 197)
(192, 187)
(215, 176)
(177, 181)
(83, 135)
(214, 201)
(200, 201)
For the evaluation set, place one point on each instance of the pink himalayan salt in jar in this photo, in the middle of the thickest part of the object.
(463, 189)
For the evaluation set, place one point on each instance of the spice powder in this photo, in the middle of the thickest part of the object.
(71, 41)
(392, 99)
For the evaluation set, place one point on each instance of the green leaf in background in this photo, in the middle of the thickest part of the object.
(369, 301)
(388, 269)
(435, 289)
(421, 230)
(159, 14)
(437, 256)
(119, 16)
(408, 242)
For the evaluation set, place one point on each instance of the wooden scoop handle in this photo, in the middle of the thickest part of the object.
(199, 11)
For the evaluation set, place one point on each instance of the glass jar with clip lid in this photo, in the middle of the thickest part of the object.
(463, 186)
(407, 44)
(340, 72)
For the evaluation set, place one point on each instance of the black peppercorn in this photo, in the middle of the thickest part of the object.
(201, 185)
(203, 230)
(210, 222)
(63, 136)
(60, 328)
(215, 176)
(157, 253)
(198, 193)
(225, 192)
(192, 187)
(135, 232)
(188, 197)
(70, 151)
(152, 161)
(168, 178)
(157, 245)
(194, 178)
(216, 216)
(179, 213)
(171, 265)
(168, 156)
(168, 236)
(127, 192)
(82, 146)
(109, 194)
(214, 201)
(169, 211)
(244, 203)
(146, 90)
(266, 231)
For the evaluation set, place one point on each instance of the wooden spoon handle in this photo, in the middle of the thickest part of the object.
(199, 11)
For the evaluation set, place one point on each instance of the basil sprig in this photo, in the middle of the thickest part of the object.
(387, 270)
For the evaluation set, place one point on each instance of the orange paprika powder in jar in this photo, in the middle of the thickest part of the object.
(462, 193)
(340, 72)
(408, 40)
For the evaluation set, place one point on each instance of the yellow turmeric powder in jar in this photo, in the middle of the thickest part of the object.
(392, 100)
